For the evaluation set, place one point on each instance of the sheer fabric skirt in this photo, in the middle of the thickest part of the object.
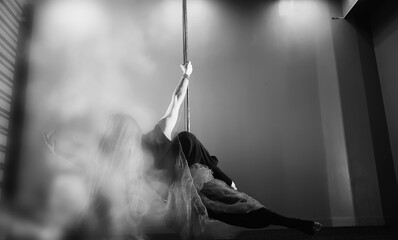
(194, 191)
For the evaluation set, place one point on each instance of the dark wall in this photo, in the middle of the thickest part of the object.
(385, 38)
(370, 161)
(255, 102)
(367, 133)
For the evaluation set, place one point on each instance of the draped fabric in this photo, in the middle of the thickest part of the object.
(217, 196)
(185, 211)
(124, 188)
(194, 191)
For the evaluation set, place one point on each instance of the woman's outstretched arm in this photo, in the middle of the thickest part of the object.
(169, 120)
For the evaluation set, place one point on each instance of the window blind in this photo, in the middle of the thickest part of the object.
(10, 18)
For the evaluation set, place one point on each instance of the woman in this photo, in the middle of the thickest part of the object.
(196, 188)
(217, 191)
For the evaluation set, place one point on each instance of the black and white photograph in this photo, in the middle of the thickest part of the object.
(198, 119)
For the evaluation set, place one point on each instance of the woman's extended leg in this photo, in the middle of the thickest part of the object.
(195, 152)
(263, 217)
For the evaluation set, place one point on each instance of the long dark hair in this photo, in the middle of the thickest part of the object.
(119, 153)
(122, 135)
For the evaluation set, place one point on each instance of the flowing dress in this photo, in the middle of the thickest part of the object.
(193, 190)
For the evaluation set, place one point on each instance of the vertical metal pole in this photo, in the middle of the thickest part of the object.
(185, 59)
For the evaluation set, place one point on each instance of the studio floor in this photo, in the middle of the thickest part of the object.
(336, 233)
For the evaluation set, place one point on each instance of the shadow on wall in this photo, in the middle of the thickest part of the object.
(385, 36)
(370, 159)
